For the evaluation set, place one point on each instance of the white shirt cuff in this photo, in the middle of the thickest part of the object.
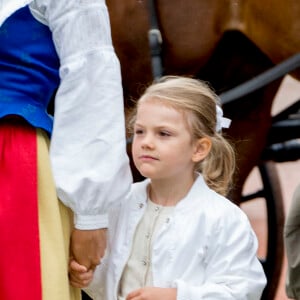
(90, 222)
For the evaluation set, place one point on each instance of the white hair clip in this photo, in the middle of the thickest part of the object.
(222, 122)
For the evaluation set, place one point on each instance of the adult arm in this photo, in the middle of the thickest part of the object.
(88, 155)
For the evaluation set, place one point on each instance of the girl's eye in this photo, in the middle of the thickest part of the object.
(164, 133)
(138, 131)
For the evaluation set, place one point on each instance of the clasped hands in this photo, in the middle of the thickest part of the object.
(87, 248)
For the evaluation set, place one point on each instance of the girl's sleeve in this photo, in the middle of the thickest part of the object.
(233, 269)
(96, 289)
(88, 144)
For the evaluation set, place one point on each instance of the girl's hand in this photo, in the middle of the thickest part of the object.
(153, 293)
(79, 275)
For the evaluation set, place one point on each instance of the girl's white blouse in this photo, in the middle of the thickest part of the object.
(88, 145)
(207, 249)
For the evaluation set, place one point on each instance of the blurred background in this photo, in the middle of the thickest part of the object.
(289, 177)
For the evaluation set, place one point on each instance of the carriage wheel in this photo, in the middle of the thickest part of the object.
(272, 196)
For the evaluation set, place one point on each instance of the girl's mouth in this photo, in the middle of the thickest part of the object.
(147, 158)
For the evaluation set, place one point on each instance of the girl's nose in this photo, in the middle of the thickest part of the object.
(147, 142)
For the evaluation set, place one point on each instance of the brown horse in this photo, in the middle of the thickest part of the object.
(224, 42)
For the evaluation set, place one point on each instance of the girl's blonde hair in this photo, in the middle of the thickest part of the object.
(198, 103)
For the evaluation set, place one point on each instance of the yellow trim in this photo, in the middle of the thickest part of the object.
(55, 227)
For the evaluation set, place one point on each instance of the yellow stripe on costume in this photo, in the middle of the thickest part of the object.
(55, 225)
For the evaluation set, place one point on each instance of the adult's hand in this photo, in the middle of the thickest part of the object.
(88, 246)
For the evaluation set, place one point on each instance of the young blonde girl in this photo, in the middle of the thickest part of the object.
(176, 236)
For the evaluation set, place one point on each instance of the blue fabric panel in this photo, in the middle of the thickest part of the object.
(29, 68)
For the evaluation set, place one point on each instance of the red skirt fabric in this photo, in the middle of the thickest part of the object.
(20, 275)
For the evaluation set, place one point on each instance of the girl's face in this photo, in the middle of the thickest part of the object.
(162, 144)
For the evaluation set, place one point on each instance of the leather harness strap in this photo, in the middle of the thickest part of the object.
(155, 41)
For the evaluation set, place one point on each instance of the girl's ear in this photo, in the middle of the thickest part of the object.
(201, 149)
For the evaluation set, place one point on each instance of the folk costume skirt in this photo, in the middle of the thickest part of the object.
(35, 226)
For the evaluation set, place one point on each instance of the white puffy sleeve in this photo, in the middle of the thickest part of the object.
(88, 145)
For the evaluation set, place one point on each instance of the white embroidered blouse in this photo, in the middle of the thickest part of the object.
(88, 155)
